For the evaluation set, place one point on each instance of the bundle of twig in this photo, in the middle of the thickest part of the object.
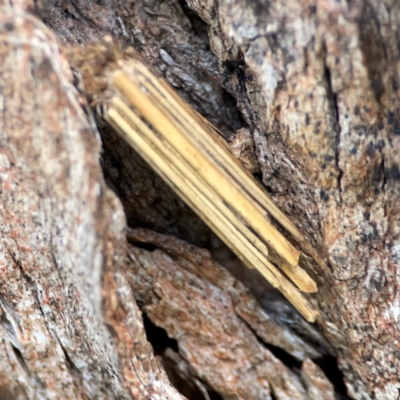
(187, 152)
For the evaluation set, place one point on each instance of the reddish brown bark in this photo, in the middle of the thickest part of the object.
(69, 325)
(317, 86)
(322, 96)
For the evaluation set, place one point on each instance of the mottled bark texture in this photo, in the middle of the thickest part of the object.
(62, 239)
(221, 330)
(319, 87)
(316, 83)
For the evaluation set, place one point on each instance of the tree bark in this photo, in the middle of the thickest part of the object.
(62, 239)
(316, 87)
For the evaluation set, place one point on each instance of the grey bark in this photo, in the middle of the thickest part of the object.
(317, 86)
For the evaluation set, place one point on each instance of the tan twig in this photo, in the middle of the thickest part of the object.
(185, 150)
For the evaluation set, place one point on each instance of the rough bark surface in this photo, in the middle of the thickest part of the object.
(320, 89)
(221, 330)
(317, 86)
(166, 38)
(62, 239)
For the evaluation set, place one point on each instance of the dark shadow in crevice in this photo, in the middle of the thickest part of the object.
(144, 246)
(158, 337)
(160, 341)
(328, 364)
(283, 356)
(20, 358)
(214, 395)
(199, 27)
(279, 353)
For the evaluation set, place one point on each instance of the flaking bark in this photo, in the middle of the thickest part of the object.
(320, 89)
(317, 86)
(69, 325)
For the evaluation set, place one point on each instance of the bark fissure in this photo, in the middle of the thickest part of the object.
(68, 361)
(333, 100)
(21, 360)
(318, 86)
(279, 353)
